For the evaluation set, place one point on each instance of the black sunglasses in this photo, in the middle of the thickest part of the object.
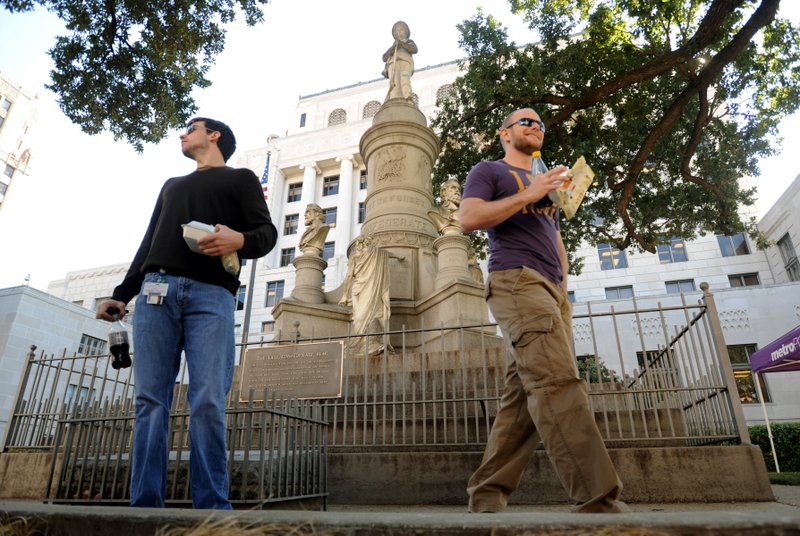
(527, 122)
(194, 126)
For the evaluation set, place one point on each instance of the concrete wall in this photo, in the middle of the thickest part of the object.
(783, 219)
(32, 317)
(24, 475)
(650, 475)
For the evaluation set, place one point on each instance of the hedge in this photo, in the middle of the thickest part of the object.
(786, 436)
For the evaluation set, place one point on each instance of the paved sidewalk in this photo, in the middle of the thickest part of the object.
(777, 518)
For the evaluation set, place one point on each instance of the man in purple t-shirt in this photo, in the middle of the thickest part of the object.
(543, 397)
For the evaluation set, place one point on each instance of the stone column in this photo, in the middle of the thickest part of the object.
(308, 278)
(344, 217)
(309, 193)
(453, 257)
(399, 150)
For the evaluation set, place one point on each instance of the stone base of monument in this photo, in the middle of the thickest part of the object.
(650, 475)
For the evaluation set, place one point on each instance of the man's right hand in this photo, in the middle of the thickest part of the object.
(543, 184)
(103, 307)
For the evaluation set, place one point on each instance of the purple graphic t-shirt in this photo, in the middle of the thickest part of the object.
(527, 238)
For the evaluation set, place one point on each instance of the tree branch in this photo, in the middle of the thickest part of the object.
(763, 16)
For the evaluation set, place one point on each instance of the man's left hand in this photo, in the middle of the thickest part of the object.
(225, 240)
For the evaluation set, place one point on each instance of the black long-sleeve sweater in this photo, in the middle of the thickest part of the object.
(223, 195)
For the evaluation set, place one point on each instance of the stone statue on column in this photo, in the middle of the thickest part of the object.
(313, 239)
(366, 286)
(445, 217)
(400, 63)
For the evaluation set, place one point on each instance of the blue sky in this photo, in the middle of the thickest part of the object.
(89, 198)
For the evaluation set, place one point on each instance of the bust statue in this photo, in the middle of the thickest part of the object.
(313, 240)
(445, 217)
(399, 63)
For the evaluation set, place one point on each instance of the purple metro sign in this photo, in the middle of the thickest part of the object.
(782, 354)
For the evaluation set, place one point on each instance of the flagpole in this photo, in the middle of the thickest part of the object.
(248, 304)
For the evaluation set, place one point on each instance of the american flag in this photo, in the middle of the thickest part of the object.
(265, 177)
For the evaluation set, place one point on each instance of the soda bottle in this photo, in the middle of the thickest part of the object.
(538, 167)
(118, 341)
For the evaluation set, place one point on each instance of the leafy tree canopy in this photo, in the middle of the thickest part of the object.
(670, 101)
(129, 66)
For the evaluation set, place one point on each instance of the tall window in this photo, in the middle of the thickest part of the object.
(571, 295)
(656, 359)
(734, 245)
(327, 250)
(362, 180)
(91, 345)
(789, 257)
(611, 258)
(743, 374)
(618, 293)
(672, 250)
(743, 280)
(330, 185)
(241, 297)
(287, 256)
(290, 225)
(362, 212)
(9, 171)
(337, 117)
(370, 109)
(681, 285)
(82, 393)
(295, 190)
(330, 216)
(274, 293)
(302, 120)
(5, 105)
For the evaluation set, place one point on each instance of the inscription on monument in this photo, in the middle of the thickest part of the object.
(295, 370)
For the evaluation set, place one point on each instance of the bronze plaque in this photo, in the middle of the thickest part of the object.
(312, 370)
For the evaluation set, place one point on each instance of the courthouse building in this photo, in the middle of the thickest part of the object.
(17, 116)
(317, 160)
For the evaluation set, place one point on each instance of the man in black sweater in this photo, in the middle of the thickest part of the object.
(185, 304)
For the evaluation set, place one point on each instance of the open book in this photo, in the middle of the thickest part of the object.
(569, 196)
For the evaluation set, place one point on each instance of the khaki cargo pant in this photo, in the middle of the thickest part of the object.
(543, 398)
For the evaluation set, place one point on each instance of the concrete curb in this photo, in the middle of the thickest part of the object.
(751, 519)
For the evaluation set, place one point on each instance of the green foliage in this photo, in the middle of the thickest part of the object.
(791, 478)
(786, 437)
(670, 101)
(594, 371)
(130, 67)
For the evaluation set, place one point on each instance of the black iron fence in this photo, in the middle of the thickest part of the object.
(657, 369)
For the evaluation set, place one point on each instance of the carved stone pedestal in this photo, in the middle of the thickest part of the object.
(453, 262)
(308, 283)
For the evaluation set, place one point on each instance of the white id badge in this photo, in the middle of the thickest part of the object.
(155, 292)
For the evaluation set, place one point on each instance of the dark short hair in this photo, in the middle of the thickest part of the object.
(226, 142)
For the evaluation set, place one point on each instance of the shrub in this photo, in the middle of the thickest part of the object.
(786, 436)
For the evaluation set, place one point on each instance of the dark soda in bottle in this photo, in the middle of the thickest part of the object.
(118, 341)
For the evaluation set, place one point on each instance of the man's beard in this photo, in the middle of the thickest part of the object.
(524, 145)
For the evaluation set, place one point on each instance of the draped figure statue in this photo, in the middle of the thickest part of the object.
(366, 286)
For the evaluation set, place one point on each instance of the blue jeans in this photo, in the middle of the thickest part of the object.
(195, 318)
